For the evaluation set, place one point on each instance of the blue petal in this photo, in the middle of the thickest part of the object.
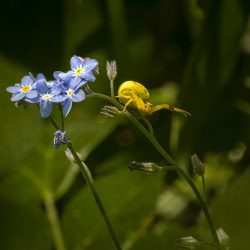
(40, 76)
(31, 94)
(57, 143)
(58, 98)
(56, 90)
(43, 81)
(17, 96)
(66, 76)
(65, 84)
(74, 83)
(33, 100)
(54, 84)
(88, 76)
(83, 82)
(45, 108)
(27, 80)
(78, 96)
(13, 89)
(42, 87)
(67, 107)
(64, 138)
(90, 64)
(56, 74)
(75, 62)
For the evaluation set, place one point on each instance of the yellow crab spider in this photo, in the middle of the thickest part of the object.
(135, 95)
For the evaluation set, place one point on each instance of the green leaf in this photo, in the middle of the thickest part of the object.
(81, 19)
(23, 222)
(128, 198)
(162, 237)
(231, 212)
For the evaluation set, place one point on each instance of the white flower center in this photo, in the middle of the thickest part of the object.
(78, 71)
(47, 97)
(70, 93)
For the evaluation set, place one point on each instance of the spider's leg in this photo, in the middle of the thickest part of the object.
(169, 107)
(127, 103)
(139, 103)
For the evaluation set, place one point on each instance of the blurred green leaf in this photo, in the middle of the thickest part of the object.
(231, 29)
(162, 236)
(231, 212)
(167, 93)
(30, 164)
(81, 19)
(23, 222)
(91, 135)
(128, 198)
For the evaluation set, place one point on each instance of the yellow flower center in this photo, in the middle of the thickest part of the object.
(46, 97)
(70, 93)
(25, 88)
(78, 71)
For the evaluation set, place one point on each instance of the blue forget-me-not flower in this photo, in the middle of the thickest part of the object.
(64, 89)
(80, 68)
(25, 89)
(72, 93)
(47, 95)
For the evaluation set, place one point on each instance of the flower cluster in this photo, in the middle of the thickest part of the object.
(64, 89)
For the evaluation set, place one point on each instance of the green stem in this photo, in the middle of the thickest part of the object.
(152, 139)
(53, 123)
(150, 128)
(107, 98)
(172, 162)
(203, 186)
(62, 119)
(88, 178)
(112, 88)
(54, 220)
(168, 158)
(203, 206)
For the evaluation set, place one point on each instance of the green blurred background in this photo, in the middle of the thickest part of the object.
(189, 53)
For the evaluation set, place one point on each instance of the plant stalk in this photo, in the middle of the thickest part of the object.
(112, 91)
(170, 160)
(182, 173)
(54, 221)
(88, 178)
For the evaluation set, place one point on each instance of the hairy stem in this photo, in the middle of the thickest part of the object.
(88, 178)
(112, 92)
(170, 160)
(203, 186)
(62, 119)
(182, 173)
(150, 128)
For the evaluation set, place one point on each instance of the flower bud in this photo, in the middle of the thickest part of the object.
(188, 242)
(111, 68)
(144, 166)
(60, 138)
(21, 103)
(70, 157)
(198, 166)
(223, 237)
